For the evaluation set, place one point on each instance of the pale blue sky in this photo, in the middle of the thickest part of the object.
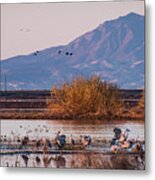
(29, 27)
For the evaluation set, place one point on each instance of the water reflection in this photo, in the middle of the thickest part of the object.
(25, 135)
(88, 160)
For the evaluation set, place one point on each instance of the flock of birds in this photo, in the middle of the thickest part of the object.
(119, 143)
(40, 137)
(67, 53)
(45, 144)
(59, 141)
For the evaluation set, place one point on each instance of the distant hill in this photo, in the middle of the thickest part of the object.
(114, 50)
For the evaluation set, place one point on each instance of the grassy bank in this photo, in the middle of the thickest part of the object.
(46, 116)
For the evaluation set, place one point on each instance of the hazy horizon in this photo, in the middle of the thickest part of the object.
(26, 28)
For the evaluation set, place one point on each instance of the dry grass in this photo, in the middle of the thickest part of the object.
(86, 98)
(101, 161)
(89, 99)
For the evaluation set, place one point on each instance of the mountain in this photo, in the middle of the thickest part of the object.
(114, 50)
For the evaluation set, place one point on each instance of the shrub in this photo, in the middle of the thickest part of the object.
(139, 109)
(86, 98)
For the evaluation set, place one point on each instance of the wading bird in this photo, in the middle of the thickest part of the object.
(60, 140)
(72, 140)
(38, 160)
(86, 140)
(25, 158)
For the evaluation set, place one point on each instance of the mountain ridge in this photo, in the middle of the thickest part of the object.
(114, 50)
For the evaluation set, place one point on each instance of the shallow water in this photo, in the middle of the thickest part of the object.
(98, 130)
(47, 128)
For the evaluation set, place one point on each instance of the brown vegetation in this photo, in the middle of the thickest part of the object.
(86, 98)
(102, 161)
(139, 110)
(81, 99)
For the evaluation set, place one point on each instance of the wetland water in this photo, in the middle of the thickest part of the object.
(92, 157)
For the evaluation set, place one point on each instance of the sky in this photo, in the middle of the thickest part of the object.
(26, 28)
